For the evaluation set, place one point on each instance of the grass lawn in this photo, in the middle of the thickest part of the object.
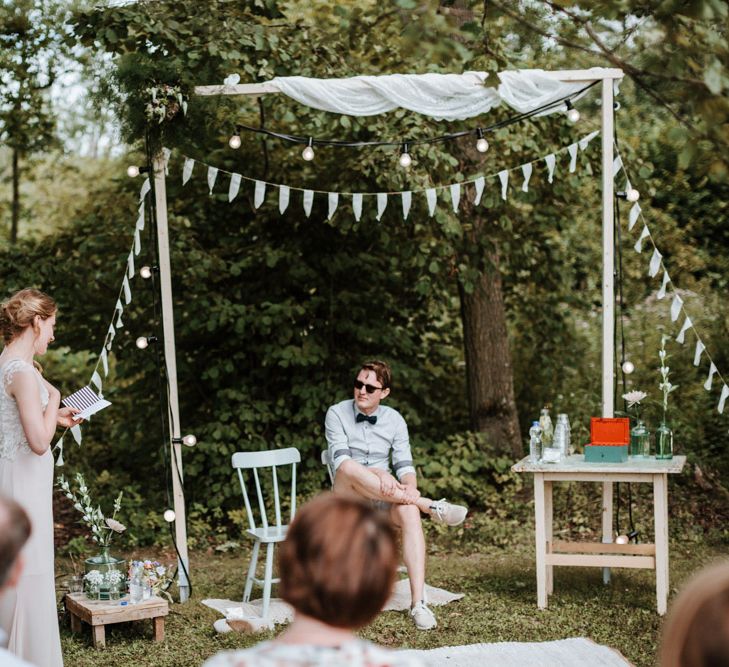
(499, 605)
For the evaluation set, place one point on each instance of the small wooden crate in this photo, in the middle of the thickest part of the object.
(100, 613)
(609, 438)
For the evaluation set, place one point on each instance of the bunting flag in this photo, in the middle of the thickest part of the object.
(146, 187)
(572, 150)
(700, 347)
(633, 216)
(617, 166)
(187, 169)
(432, 198)
(104, 361)
(140, 217)
(283, 197)
(76, 433)
(137, 242)
(682, 334)
(643, 235)
(655, 263)
(504, 178)
(259, 194)
(234, 187)
(333, 203)
(551, 161)
(722, 399)
(381, 204)
(407, 198)
(676, 307)
(455, 196)
(212, 175)
(357, 206)
(127, 290)
(96, 381)
(59, 446)
(478, 184)
(526, 170)
(662, 291)
(130, 265)
(308, 201)
(710, 378)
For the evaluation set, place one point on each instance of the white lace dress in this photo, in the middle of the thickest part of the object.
(28, 612)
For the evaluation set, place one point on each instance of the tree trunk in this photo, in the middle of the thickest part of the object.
(15, 210)
(491, 402)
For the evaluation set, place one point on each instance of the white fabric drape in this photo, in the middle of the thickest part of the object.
(441, 96)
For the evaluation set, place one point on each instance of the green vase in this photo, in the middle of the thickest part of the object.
(104, 562)
(664, 441)
(640, 441)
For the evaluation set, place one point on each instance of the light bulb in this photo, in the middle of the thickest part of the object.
(169, 516)
(621, 539)
(632, 195)
(142, 342)
(145, 272)
(308, 152)
(628, 367)
(405, 160)
(189, 440)
(573, 115)
(234, 141)
(482, 145)
(133, 171)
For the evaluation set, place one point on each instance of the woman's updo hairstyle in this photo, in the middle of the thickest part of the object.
(18, 312)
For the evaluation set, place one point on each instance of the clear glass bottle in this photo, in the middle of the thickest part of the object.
(535, 443)
(562, 417)
(640, 440)
(545, 423)
(136, 591)
(664, 441)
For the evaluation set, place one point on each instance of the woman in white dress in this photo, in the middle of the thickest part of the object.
(29, 413)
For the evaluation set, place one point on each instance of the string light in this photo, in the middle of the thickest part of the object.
(631, 195)
(628, 367)
(169, 516)
(308, 152)
(133, 170)
(143, 341)
(405, 159)
(146, 272)
(621, 539)
(481, 144)
(189, 440)
(235, 141)
(572, 114)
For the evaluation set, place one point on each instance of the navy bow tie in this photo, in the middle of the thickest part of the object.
(372, 419)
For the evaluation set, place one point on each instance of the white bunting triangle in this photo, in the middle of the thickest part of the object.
(551, 161)
(357, 205)
(526, 169)
(682, 334)
(504, 178)
(643, 235)
(633, 216)
(655, 263)
(166, 152)
(259, 194)
(187, 169)
(432, 198)
(127, 291)
(146, 187)
(722, 399)
(283, 198)
(407, 198)
(478, 184)
(119, 311)
(137, 243)
(76, 433)
(710, 377)
(212, 175)
(333, 200)
(455, 195)
(233, 187)
(381, 204)
(583, 143)
(110, 336)
(140, 218)
(308, 201)
(700, 347)
(59, 447)
(662, 291)
(104, 361)
(617, 165)
(676, 307)
(130, 265)
(96, 380)
(572, 150)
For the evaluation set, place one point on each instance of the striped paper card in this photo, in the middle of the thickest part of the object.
(87, 401)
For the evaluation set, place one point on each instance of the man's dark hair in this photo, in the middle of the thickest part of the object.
(14, 532)
(381, 369)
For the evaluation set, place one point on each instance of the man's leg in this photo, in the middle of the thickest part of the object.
(407, 518)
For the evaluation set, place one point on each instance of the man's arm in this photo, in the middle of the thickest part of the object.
(402, 458)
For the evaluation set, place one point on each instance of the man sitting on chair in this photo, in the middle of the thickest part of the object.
(362, 436)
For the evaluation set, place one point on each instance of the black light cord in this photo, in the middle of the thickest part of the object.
(297, 139)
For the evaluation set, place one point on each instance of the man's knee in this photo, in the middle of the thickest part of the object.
(406, 516)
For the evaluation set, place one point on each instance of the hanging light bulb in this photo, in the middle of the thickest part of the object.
(235, 141)
(132, 171)
(145, 272)
(572, 114)
(142, 342)
(189, 440)
(405, 159)
(308, 152)
(628, 367)
(632, 195)
(169, 516)
(621, 539)
(481, 144)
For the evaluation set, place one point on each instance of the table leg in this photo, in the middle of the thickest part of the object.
(540, 539)
(548, 532)
(99, 636)
(660, 510)
(607, 522)
(158, 624)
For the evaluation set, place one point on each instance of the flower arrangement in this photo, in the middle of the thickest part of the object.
(102, 528)
(665, 385)
(152, 574)
(94, 579)
(165, 102)
(634, 399)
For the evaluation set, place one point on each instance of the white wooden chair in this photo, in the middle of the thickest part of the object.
(265, 532)
(326, 460)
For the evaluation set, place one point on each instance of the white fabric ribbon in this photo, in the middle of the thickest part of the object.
(633, 216)
(357, 205)
(478, 184)
(655, 263)
(455, 195)
(662, 291)
(308, 201)
(504, 178)
(333, 201)
(687, 324)
(259, 194)
(76, 433)
(187, 169)
(130, 265)
(643, 235)
(407, 198)
(551, 161)
(104, 361)
(700, 347)
(526, 169)
(710, 377)
(572, 150)
(146, 187)
(381, 204)
(127, 291)
(528, 89)
(212, 175)
(234, 187)
(676, 307)
(722, 399)
(432, 198)
(283, 198)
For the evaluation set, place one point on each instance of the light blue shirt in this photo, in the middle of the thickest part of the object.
(372, 445)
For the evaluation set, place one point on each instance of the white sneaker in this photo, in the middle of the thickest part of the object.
(444, 512)
(422, 616)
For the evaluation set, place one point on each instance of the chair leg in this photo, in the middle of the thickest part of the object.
(267, 579)
(251, 572)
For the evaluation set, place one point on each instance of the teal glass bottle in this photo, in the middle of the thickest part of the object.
(664, 441)
(640, 441)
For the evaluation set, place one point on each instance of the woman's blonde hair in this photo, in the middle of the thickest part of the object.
(19, 311)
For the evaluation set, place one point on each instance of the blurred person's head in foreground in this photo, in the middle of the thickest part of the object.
(14, 533)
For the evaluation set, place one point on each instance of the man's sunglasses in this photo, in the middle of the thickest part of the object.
(370, 388)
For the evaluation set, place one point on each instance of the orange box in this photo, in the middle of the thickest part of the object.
(610, 431)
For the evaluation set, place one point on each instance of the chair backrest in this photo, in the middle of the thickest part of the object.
(269, 459)
(327, 461)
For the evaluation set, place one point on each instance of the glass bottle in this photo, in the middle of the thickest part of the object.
(664, 441)
(135, 588)
(535, 443)
(640, 441)
(545, 423)
(569, 449)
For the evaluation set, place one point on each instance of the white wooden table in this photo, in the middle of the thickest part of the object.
(603, 554)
